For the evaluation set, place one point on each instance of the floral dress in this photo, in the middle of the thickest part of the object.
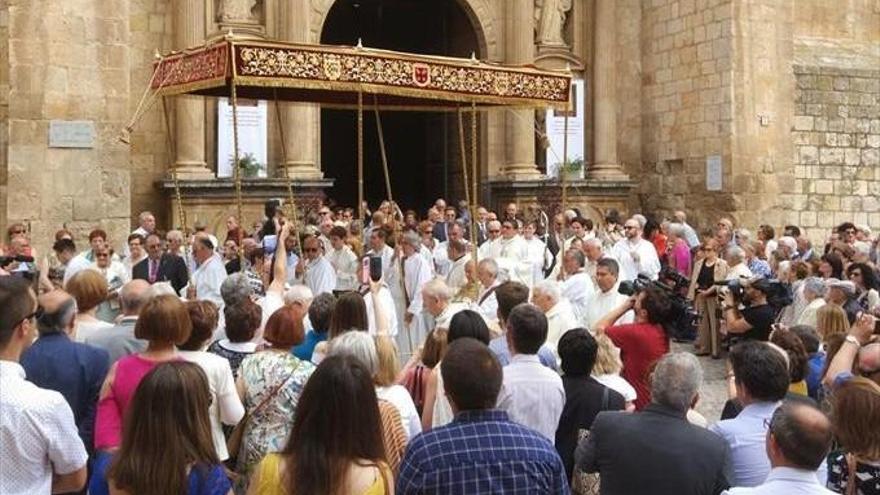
(867, 475)
(267, 429)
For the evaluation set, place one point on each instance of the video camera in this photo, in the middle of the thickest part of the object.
(681, 322)
(7, 260)
(778, 293)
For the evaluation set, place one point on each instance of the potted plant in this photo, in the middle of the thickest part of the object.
(249, 165)
(573, 168)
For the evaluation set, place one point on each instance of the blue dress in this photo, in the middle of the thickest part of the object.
(203, 480)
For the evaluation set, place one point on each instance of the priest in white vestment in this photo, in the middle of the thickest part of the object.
(547, 295)
(206, 279)
(580, 232)
(437, 303)
(537, 256)
(417, 272)
(487, 273)
(457, 276)
(317, 273)
(492, 247)
(343, 260)
(577, 287)
(635, 255)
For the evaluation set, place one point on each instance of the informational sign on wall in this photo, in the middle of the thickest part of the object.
(555, 121)
(714, 172)
(71, 134)
(252, 134)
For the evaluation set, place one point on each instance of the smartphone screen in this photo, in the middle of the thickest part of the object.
(365, 270)
(375, 268)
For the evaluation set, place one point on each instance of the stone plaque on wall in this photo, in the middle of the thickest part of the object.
(713, 173)
(71, 134)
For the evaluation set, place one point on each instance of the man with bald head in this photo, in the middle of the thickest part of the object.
(119, 341)
(797, 441)
(56, 362)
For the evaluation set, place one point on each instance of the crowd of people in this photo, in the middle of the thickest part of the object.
(452, 352)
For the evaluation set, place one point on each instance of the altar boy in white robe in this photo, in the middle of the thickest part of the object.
(536, 253)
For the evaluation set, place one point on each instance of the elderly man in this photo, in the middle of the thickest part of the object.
(492, 247)
(690, 235)
(487, 274)
(482, 225)
(436, 300)
(317, 273)
(326, 227)
(594, 252)
(578, 286)
(442, 262)
(581, 230)
(814, 290)
(160, 267)
(209, 273)
(631, 451)
(842, 293)
(146, 226)
(736, 263)
(635, 255)
(547, 295)
(119, 341)
(606, 298)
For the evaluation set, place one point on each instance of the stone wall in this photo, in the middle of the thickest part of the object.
(836, 136)
(687, 104)
(67, 61)
(4, 109)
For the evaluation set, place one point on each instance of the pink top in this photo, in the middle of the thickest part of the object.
(680, 258)
(130, 370)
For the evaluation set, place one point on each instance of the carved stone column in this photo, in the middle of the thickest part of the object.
(605, 162)
(189, 115)
(301, 121)
(520, 137)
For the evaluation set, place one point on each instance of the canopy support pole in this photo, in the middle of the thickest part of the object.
(564, 161)
(236, 164)
(382, 150)
(178, 199)
(360, 155)
(291, 200)
(472, 203)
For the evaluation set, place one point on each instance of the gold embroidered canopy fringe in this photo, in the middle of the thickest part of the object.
(334, 75)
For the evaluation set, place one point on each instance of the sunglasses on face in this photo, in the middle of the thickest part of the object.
(494, 231)
(629, 227)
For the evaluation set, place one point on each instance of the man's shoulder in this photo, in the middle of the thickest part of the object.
(482, 436)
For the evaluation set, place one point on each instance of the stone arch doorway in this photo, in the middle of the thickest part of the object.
(423, 148)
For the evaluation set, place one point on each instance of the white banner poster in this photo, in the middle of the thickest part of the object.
(252, 134)
(555, 120)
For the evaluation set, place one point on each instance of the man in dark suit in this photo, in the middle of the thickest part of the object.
(158, 267)
(656, 450)
(555, 240)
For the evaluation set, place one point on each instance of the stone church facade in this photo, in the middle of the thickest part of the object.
(776, 101)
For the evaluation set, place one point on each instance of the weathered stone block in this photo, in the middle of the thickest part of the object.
(803, 123)
(871, 157)
(825, 219)
(841, 83)
(832, 172)
(824, 186)
(852, 156)
(808, 219)
(808, 155)
(831, 156)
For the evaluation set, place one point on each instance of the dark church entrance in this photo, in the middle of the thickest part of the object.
(422, 148)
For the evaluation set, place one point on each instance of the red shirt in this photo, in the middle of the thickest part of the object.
(641, 345)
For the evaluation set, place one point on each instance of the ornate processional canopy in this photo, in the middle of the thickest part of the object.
(333, 76)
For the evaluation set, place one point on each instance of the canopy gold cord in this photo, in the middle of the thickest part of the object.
(360, 155)
(171, 154)
(291, 200)
(237, 166)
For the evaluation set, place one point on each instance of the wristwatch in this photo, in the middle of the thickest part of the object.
(853, 340)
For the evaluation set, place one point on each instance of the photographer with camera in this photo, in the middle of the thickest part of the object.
(754, 320)
(643, 342)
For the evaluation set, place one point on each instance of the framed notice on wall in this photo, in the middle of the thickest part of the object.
(252, 134)
(713, 173)
(555, 120)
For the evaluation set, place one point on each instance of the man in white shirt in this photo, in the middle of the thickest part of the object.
(326, 227)
(690, 235)
(343, 260)
(814, 290)
(635, 255)
(798, 439)
(318, 273)
(512, 257)
(606, 298)
(487, 274)
(436, 297)
(379, 247)
(209, 273)
(578, 286)
(594, 252)
(736, 263)
(547, 295)
(460, 257)
(531, 394)
(40, 448)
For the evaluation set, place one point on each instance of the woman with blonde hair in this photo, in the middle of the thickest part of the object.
(855, 417)
(607, 370)
(702, 291)
(831, 319)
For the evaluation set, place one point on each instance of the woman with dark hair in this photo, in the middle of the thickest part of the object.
(226, 407)
(166, 445)
(349, 314)
(242, 321)
(334, 448)
(855, 416)
(468, 323)
(867, 285)
(831, 266)
(164, 323)
(270, 383)
(798, 359)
